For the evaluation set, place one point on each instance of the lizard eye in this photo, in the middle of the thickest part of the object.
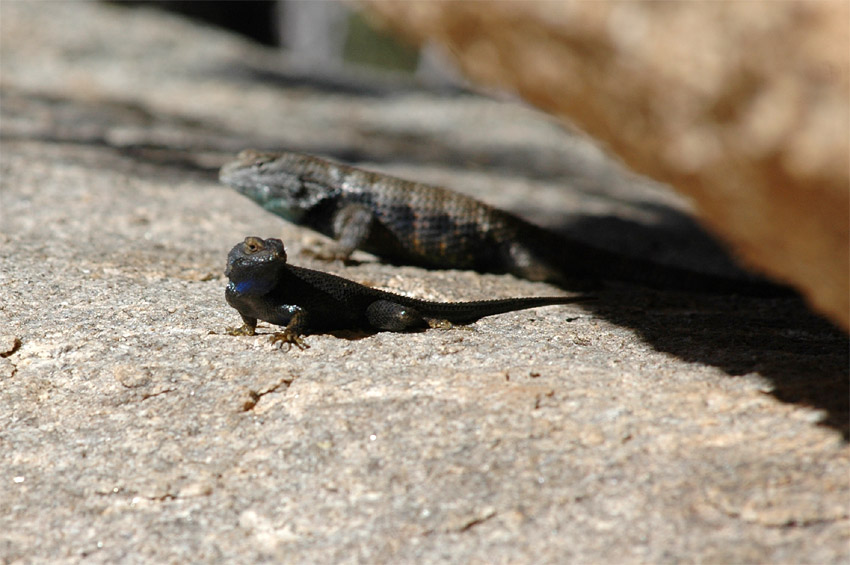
(261, 163)
(252, 245)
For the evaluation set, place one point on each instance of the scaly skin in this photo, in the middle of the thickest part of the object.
(406, 222)
(263, 286)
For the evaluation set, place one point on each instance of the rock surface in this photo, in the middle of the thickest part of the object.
(742, 106)
(643, 427)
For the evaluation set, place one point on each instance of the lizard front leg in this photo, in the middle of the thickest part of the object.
(249, 325)
(297, 326)
(351, 227)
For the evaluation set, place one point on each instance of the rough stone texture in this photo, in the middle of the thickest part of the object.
(742, 106)
(644, 427)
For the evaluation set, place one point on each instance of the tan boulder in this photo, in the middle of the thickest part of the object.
(743, 106)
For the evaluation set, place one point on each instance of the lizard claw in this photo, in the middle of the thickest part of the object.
(289, 338)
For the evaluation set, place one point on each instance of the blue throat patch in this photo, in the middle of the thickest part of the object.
(251, 286)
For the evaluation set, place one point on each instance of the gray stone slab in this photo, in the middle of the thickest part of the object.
(644, 427)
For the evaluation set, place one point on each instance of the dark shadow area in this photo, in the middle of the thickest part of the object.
(669, 238)
(349, 335)
(255, 19)
(366, 83)
(804, 357)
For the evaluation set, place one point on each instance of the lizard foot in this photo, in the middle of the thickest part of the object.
(290, 338)
(244, 330)
(439, 324)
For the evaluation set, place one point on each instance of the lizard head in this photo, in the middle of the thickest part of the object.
(254, 266)
(286, 184)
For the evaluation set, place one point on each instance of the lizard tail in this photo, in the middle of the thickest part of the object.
(467, 312)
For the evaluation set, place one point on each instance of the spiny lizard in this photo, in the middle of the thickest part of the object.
(263, 286)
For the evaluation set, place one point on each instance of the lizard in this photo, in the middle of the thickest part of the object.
(264, 286)
(407, 222)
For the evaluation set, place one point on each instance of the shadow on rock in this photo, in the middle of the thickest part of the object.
(804, 357)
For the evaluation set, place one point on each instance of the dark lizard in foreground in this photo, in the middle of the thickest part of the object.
(263, 286)
(407, 222)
